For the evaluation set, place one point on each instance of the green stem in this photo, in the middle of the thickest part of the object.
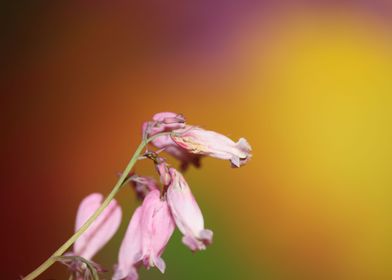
(52, 259)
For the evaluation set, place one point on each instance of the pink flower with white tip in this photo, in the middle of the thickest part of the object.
(199, 141)
(157, 227)
(186, 213)
(189, 143)
(147, 235)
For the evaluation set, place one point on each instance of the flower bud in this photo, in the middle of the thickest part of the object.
(163, 122)
(163, 171)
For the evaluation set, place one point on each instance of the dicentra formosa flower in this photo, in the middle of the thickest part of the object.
(196, 140)
(186, 213)
(94, 238)
(101, 230)
(147, 235)
(188, 143)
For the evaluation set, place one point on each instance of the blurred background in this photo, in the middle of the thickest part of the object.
(308, 83)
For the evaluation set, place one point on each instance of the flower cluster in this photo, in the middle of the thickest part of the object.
(163, 208)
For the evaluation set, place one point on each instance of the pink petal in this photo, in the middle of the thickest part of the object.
(186, 213)
(131, 249)
(198, 141)
(101, 230)
(157, 227)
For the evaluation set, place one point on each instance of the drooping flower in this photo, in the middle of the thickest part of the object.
(186, 213)
(166, 122)
(101, 230)
(157, 228)
(94, 238)
(189, 143)
(147, 235)
(196, 140)
(130, 252)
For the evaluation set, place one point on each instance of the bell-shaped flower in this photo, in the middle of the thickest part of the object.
(130, 253)
(147, 235)
(186, 213)
(142, 185)
(100, 231)
(157, 227)
(93, 239)
(198, 141)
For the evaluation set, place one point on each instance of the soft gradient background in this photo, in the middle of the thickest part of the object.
(309, 84)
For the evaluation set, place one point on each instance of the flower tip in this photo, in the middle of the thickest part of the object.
(245, 149)
(200, 243)
(160, 264)
(119, 274)
(244, 145)
(192, 243)
(206, 236)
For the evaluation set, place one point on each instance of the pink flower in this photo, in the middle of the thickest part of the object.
(166, 122)
(100, 231)
(130, 252)
(186, 213)
(189, 143)
(198, 141)
(147, 235)
(157, 227)
(143, 185)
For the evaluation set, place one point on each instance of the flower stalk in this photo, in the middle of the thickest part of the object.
(162, 210)
(123, 179)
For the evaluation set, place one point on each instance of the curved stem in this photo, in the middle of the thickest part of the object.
(52, 259)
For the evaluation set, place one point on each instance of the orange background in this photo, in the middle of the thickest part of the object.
(308, 84)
